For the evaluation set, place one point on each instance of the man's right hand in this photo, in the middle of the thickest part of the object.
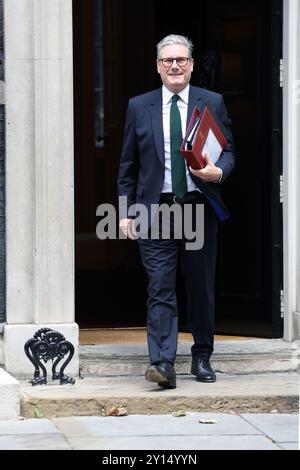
(127, 227)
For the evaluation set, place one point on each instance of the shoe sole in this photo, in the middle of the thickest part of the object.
(205, 380)
(202, 380)
(153, 375)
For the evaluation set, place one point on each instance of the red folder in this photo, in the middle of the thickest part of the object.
(203, 131)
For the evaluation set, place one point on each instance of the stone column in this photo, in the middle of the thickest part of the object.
(291, 168)
(39, 176)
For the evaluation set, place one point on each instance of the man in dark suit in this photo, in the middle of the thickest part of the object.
(152, 171)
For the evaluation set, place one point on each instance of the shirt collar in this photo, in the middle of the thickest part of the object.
(184, 94)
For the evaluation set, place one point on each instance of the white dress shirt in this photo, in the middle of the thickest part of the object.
(182, 104)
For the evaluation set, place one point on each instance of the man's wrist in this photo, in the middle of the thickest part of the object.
(220, 177)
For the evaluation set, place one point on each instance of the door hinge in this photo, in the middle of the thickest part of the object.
(282, 303)
(281, 189)
(281, 73)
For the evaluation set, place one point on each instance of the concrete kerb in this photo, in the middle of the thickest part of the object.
(94, 397)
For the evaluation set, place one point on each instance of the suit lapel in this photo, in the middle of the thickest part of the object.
(195, 99)
(157, 125)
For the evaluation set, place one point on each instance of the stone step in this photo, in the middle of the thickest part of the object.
(231, 394)
(252, 356)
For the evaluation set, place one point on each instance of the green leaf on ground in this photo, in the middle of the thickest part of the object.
(37, 413)
(179, 413)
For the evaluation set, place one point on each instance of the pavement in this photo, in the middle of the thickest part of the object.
(194, 431)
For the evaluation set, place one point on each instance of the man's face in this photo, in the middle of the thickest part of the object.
(175, 77)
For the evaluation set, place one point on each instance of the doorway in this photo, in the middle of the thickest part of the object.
(237, 53)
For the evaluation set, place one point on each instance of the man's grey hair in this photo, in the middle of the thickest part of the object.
(175, 39)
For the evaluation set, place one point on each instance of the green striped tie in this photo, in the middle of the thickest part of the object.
(179, 184)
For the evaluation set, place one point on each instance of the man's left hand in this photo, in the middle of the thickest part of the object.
(210, 173)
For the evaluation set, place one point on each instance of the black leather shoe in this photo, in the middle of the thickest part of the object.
(203, 371)
(163, 374)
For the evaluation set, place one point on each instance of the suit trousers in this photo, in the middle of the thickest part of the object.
(160, 258)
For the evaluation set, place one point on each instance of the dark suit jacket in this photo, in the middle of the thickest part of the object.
(142, 165)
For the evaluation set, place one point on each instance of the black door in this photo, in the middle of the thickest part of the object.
(249, 264)
(237, 52)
